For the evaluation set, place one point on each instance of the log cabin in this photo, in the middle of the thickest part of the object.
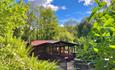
(53, 50)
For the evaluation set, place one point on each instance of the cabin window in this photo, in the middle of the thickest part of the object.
(49, 50)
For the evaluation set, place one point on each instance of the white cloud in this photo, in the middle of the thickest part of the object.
(63, 8)
(49, 1)
(61, 25)
(55, 8)
(88, 12)
(90, 2)
(46, 4)
(30, 0)
(87, 2)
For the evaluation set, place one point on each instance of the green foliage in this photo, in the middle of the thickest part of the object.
(31, 28)
(41, 27)
(83, 28)
(85, 50)
(65, 35)
(101, 38)
(103, 33)
(14, 56)
(13, 53)
(48, 26)
(10, 17)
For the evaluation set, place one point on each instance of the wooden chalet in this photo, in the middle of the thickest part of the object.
(53, 50)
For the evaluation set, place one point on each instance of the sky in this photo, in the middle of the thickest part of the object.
(73, 10)
(66, 9)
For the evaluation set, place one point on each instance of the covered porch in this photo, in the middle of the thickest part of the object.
(53, 50)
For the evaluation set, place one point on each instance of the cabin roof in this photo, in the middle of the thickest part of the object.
(39, 42)
(51, 42)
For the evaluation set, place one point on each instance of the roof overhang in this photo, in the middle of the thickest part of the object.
(52, 43)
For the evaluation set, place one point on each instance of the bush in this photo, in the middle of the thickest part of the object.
(13, 53)
(14, 56)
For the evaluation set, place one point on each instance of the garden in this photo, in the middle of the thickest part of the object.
(22, 23)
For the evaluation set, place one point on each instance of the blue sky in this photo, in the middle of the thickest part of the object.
(26, 1)
(73, 9)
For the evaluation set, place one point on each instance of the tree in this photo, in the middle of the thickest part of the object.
(99, 42)
(102, 34)
(70, 22)
(101, 37)
(64, 35)
(83, 28)
(47, 25)
(13, 53)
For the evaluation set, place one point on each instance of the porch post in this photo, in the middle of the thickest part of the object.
(64, 50)
(51, 50)
(68, 50)
(59, 50)
(74, 49)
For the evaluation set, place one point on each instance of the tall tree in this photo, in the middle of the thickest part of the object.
(101, 38)
(65, 35)
(13, 53)
(70, 26)
(103, 35)
(83, 28)
(47, 25)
